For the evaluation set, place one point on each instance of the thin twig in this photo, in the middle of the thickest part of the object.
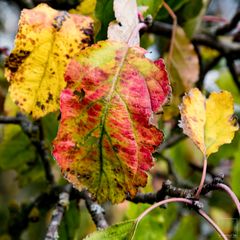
(163, 202)
(44, 154)
(170, 142)
(9, 120)
(189, 202)
(171, 169)
(204, 215)
(231, 194)
(174, 29)
(229, 26)
(57, 214)
(230, 64)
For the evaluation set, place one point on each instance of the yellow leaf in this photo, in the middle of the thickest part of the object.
(45, 42)
(208, 122)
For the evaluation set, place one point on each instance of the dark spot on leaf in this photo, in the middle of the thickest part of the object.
(14, 61)
(88, 31)
(86, 40)
(80, 94)
(50, 98)
(60, 19)
(119, 186)
(38, 104)
(68, 169)
(116, 148)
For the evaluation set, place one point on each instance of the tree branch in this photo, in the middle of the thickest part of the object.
(44, 154)
(57, 214)
(9, 120)
(231, 51)
(171, 191)
(174, 139)
(95, 210)
(231, 67)
(229, 26)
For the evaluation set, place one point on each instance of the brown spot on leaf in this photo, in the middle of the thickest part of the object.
(38, 104)
(15, 60)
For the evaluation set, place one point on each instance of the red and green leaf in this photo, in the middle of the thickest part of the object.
(105, 139)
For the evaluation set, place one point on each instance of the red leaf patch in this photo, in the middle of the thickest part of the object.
(105, 139)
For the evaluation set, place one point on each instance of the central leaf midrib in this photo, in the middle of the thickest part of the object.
(45, 67)
(103, 118)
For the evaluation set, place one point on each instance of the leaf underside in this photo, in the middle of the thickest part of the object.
(105, 139)
(45, 42)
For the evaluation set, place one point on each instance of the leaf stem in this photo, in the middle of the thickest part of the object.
(205, 216)
(231, 194)
(184, 200)
(202, 178)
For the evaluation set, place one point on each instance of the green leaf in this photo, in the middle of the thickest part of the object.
(153, 6)
(154, 222)
(104, 13)
(190, 16)
(15, 148)
(191, 9)
(50, 126)
(120, 231)
(174, 5)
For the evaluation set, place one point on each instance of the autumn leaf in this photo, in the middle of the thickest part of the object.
(183, 69)
(105, 138)
(208, 122)
(45, 42)
(126, 22)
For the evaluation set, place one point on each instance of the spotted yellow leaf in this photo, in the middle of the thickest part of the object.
(208, 122)
(45, 42)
